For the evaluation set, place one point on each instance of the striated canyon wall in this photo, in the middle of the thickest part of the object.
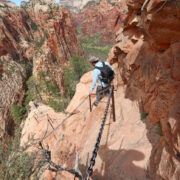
(78, 5)
(37, 37)
(101, 18)
(147, 53)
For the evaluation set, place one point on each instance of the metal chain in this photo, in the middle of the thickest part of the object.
(89, 170)
(54, 129)
(57, 168)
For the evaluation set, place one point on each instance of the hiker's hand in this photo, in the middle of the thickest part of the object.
(90, 92)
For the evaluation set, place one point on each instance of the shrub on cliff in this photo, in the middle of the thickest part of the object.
(70, 82)
(31, 93)
(15, 163)
(79, 30)
(18, 113)
(79, 66)
(58, 104)
(94, 46)
(91, 3)
(34, 26)
(45, 90)
(40, 42)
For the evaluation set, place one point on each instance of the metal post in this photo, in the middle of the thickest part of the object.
(50, 124)
(90, 103)
(113, 105)
(52, 127)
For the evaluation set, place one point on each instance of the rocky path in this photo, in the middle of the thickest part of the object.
(125, 146)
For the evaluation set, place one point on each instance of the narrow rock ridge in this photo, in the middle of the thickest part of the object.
(125, 147)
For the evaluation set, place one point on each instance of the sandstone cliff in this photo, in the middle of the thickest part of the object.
(124, 150)
(147, 53)
(39, 39)
(101, 18)
(77, 5)
(143, 143)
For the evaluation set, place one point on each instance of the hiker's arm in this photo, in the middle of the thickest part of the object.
(95, 78)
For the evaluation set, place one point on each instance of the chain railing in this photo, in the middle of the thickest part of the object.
(76, 172)
(89, 170)
(56, 168)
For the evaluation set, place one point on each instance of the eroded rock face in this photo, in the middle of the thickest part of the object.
(147, 54)
(33, 39)
(12, 91)
(101, 18)
(104, 19)
(124, 150)
(77, 5)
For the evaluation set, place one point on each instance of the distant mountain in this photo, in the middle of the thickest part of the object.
(9, 3)
(77, 5)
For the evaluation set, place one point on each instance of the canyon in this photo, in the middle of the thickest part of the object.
(144, 141)
(101, 18)
(37, 40)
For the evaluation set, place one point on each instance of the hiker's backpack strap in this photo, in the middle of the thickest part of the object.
(100, 68)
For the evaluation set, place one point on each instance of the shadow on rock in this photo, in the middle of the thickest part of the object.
(118, 165)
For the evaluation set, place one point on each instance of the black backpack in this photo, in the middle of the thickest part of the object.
(106, 72)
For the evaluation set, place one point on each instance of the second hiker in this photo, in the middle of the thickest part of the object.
(103, 73)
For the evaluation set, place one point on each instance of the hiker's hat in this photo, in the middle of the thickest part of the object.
(93, 59)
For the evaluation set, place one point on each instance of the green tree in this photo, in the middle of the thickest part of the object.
(18, 113)
(70, 82)
(34, 26)
(80, 66)
(31, 93)
(15, 163)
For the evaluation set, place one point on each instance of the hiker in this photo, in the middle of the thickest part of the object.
(36, 105)
(105, 74)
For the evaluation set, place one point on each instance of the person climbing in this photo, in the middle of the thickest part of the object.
(105, 74)
(36, 105)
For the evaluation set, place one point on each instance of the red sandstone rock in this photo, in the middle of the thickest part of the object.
(149, 65)
(124, 149)
(46, 39)
(103, 19)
